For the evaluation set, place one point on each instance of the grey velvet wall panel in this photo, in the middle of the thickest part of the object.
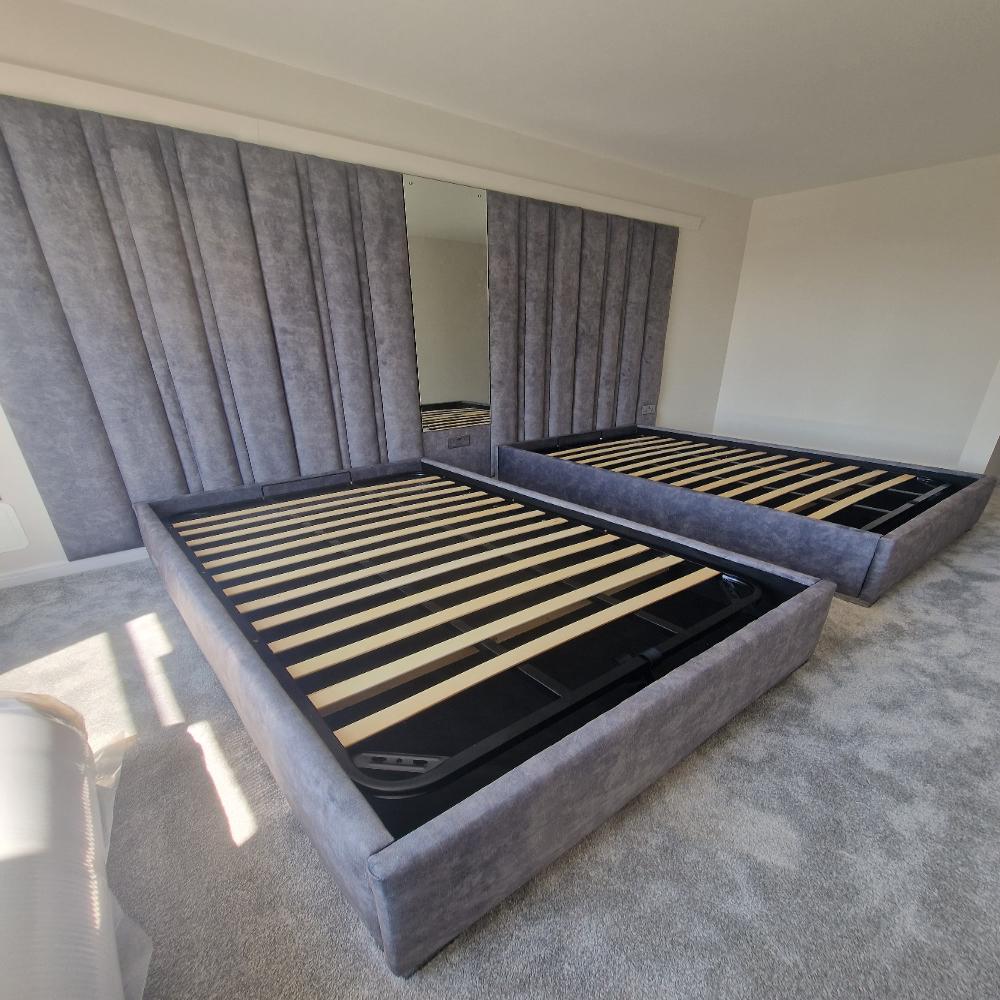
(56, 174)
(612, 318)
(278, 220)
(105, 171)
(330, 183)
(661, 283)
(387, 256)
(215, 188)
(578, 317)
(633, 324)
(567, 249)
(184, 312)
(593, 262)
(165, 283)
(41, 375)
(503, 252)
(206, 307)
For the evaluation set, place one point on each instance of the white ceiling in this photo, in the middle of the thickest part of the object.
(750, 96)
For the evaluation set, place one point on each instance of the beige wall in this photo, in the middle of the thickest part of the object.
(451, 318)
(868, 318)
(71, 55)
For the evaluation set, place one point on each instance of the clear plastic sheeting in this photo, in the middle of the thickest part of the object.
(62, 933)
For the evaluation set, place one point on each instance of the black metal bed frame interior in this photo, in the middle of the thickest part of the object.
(882, 495)
(459, 413)
(326, 583)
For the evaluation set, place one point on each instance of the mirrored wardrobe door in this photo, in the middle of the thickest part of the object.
(446, 235)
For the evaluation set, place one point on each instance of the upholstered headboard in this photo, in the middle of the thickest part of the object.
(578, 318)
(181, 312)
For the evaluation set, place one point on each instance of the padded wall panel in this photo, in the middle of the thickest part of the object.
(74, 468)
(213, 180)
(184, 312)
(278, 221)
(52, 164)
(339, 250)
(104, 169)
(578, 317)
(387, 257)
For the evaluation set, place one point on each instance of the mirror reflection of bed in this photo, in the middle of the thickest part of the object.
(446, 235)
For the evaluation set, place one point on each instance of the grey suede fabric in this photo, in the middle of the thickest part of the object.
(276, 208)
(910, 545)
(74, 467)
(416, 893)
(473, 457)
(863, 564)
(183, 312)
(326, 802)
(437, 880)
(827, 551)
(578, 315)
(53, 167)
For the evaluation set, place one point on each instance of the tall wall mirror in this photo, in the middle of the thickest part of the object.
(446, 233)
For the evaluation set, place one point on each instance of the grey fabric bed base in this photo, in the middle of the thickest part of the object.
(863, 564)
(416, 893)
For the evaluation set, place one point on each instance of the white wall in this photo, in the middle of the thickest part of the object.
(451, 318)
(868, 318)
(70, 55)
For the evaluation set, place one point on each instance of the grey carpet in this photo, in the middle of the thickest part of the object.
(840, 839)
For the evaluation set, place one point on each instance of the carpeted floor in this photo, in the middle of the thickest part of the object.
(840, 839)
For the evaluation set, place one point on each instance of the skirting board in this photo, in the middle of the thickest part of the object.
(51, 570)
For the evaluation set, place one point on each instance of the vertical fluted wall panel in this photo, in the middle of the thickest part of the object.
(578, 317)
(182, 312)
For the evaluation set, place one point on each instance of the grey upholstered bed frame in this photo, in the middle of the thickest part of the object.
(419, 891)
(863, 564)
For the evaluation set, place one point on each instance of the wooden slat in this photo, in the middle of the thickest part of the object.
(827, 491)
(452, 411)
(310, 505)
(627, 442)
(352, 650)
(800, 484)
(353, 491)
(460, 419)
(651, 450)
(329, 536)
(443, 501)
(364, 548)
(741, 476)
(767, 480)
(370, 615)
(457, 424)
(692, 452)
(367, 572)
(824, 512)
(413, 501)
(659, 473)
(702, 476)
(460, 411)
(330, 699)
(689, 464)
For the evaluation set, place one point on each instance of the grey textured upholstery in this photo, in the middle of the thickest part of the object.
(910, 545)
(578, 317)
(863, 564)
(182, 312)
(416, 893)
(435, 881)
(473, 457)
(331, 809)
